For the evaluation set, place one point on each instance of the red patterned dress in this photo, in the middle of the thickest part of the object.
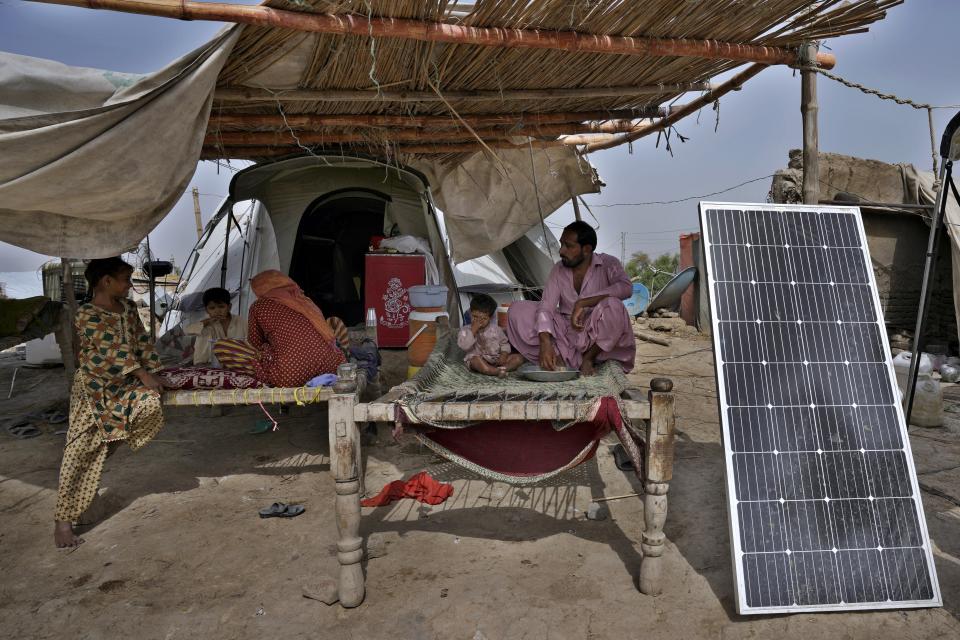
(291, 351)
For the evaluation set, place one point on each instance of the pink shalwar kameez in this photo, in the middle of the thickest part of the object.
(607, 324)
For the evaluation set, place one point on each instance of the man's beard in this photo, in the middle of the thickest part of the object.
(571, 264)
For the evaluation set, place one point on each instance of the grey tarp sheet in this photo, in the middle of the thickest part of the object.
(90, 160)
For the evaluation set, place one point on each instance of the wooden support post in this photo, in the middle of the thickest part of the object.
(196, 212)
(811, 135)
(65, 335)
(659, 471)
(601, 120)
(576, 208)
(345, 466)
(678, 113)
(400, 135)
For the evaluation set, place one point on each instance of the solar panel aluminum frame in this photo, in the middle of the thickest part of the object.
(733, 520)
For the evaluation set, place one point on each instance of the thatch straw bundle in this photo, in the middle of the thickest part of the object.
(432, 76)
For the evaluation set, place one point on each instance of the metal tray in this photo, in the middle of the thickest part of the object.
(541, 375)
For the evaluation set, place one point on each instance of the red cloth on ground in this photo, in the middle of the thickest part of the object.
(420, 487)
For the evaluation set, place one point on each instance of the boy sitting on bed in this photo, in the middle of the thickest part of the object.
(219, 325)
(487, 347)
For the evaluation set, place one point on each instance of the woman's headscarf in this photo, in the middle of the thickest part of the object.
(273, 285)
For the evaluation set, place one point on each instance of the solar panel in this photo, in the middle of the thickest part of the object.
(822, 493)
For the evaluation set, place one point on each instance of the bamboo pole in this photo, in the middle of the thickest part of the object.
(732, 84)
(381, 27)
(315, 120)
(811, 136)
(210, 152)
(196, 212)
(249, 94)
(269, 138)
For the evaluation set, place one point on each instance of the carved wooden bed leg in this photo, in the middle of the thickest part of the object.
(659, 471)
(345, 466)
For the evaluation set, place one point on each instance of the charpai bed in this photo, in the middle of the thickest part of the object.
(468, 418)
(488, 426)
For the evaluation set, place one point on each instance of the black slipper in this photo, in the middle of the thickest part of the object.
(23, 430)
(621, 458)
(51, 416)
(281, 510)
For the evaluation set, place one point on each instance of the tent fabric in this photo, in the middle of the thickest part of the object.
(90, 160)
(488, 202)
(287, 189)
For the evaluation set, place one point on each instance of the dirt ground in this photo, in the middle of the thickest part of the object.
(176, 549)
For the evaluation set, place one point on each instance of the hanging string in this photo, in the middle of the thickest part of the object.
(901, 101)
(536, 189)
(373, 49)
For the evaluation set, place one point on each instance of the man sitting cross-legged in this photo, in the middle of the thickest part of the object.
(581, 319)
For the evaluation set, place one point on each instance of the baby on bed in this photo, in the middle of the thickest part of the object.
(487, 347)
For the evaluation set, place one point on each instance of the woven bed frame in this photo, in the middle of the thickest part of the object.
(650, 422)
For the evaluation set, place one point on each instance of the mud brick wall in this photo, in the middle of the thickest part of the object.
(898, 243)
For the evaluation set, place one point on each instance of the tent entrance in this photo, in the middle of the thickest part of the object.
(328, 254)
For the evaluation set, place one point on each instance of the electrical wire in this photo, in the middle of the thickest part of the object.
(688, 198)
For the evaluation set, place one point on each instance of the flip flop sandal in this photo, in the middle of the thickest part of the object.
(281, 510)
(261, 426)
(52, 416)
(56, 417)
(622, 459)
(23, 430)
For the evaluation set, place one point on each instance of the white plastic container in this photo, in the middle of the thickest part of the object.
(43, 351)
(928, 398)
(425, 296)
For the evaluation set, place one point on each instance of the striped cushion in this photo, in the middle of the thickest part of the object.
(236, 355)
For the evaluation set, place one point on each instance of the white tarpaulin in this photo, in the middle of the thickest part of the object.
(487, 204)
(90, 160)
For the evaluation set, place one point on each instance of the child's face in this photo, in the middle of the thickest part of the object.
(117, 286)
(479, 318)
(218, 310)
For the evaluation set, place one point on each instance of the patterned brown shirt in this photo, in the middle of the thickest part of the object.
(112, 346)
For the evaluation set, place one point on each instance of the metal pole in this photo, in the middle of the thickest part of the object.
(153, 295)
(226, 251)
(933, 244)
(811, 136)
(576, 208)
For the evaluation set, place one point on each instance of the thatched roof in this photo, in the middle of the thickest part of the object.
(284, 90)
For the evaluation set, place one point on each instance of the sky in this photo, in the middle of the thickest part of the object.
(911, 54)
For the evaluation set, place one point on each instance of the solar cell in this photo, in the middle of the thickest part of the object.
(824, 505)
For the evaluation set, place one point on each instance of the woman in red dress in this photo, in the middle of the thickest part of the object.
(290, 341)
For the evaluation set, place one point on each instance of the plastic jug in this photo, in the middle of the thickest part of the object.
(370, 325)
(928, 398)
